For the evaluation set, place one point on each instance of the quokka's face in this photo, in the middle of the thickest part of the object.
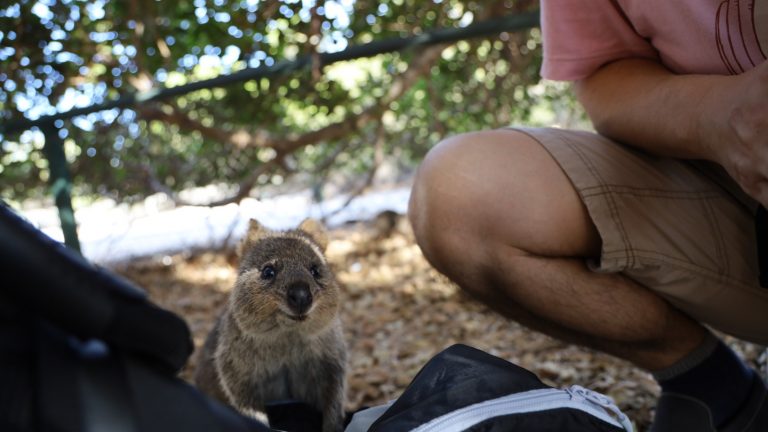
(284, 282)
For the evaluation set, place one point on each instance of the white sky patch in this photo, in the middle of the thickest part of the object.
(71, 99)
(42, 11)
(231, 54)
(338, 11)
(209, 61)
(95, 10)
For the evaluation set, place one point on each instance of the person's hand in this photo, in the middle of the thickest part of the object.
(735, 124)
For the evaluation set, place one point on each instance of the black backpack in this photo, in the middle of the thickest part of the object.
(465, 389)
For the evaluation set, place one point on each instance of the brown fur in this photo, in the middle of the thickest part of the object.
(261, 349)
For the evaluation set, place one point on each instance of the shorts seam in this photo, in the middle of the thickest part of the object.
(719, 240)
(629, 255)
(704, 198)
(648, 192)
(656, 258)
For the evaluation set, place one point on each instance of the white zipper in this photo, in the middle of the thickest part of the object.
(575, 397)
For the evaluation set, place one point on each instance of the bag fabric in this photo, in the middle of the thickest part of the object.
(55, 284)
(465, 389)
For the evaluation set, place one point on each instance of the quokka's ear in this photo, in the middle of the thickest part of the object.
(316, 230)
(256, 231)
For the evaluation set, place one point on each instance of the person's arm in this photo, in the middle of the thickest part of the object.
(723, 119)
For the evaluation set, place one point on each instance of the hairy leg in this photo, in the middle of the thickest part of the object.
(495, 213)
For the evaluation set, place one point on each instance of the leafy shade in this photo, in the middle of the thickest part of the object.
(339, 121)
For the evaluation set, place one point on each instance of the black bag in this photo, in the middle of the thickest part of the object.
(465, 389)
(84, 350)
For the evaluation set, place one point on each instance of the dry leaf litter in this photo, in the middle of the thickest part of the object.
(398, 313)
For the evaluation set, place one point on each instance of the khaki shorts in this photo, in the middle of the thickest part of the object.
(682, 229)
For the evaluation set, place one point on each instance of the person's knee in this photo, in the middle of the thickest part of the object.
(495, 191)
(448, 190)
(430, 205)
(434, 210)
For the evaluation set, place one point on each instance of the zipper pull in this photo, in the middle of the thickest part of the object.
(581, 394)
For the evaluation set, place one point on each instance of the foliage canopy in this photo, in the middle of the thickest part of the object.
(343, 118)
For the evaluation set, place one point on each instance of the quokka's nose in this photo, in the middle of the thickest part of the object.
(299, 298)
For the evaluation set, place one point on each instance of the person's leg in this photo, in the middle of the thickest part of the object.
(495, 213)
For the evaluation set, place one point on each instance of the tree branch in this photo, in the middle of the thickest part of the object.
(378, 157)
(289, 144)
(244, 187)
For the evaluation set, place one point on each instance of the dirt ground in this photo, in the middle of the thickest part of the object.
(398, 313)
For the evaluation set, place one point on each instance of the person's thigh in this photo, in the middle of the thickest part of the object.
(669, 226)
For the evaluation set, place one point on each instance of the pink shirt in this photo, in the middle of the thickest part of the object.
(687, 36)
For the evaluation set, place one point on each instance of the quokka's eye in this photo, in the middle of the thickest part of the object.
(268, 272)
(315, 271)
